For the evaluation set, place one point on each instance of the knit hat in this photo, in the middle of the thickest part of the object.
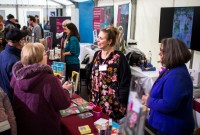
(10, 16)
(15, 35)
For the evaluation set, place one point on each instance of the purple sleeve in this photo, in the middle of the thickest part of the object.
(60, 97)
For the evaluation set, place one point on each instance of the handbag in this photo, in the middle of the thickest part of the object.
(86, 59)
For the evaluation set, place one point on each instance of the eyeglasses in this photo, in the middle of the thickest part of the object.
(45, 53)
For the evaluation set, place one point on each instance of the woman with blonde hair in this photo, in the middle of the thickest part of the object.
(38, 95)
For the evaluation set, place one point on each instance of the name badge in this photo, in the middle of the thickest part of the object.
(103, 67)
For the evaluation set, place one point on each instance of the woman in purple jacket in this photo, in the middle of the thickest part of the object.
(38, 95)
(170, 99)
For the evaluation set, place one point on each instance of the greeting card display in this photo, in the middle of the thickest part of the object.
(79, 101)
(79, 105)
(85, 115)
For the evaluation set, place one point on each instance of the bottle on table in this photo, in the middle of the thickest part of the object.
(109, 130)
(103, 129)
(51, 55)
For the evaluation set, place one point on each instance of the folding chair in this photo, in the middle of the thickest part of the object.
(75, 80)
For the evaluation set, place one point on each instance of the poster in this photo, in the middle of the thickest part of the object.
(182, 24)
(59, 27)
(96, 18)
(107, 16)
(123, 19)
(103, 17)
(56, 22)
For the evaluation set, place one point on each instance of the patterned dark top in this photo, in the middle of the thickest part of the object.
(110, 88)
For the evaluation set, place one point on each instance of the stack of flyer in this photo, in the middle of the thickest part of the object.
(77, 106)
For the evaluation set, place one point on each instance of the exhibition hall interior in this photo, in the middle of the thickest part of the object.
(99, 67)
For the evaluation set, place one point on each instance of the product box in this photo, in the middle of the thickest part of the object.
(59, 68)
(54, 68)
(84, 129)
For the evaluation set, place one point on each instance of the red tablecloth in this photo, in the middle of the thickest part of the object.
(196, 105)
(70, 123)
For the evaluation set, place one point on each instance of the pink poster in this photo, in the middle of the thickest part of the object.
(59, 27)
(96, 25)
(96, 18)
(97, 13)
(102, 16)
(119, 15)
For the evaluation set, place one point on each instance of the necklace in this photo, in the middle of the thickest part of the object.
(105, 56)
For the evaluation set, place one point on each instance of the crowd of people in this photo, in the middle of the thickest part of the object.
(31, 96)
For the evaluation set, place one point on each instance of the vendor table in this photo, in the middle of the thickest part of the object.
(71, 123)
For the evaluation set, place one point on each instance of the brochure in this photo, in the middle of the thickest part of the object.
(77, 106)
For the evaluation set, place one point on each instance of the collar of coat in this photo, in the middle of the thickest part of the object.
(21, 72)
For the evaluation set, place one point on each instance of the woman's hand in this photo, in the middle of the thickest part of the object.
(144, 99)
(63, 54)
(66, 53)
(67, 85)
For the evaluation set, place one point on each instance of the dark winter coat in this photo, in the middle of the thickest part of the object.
(8, 57)
(38, 97)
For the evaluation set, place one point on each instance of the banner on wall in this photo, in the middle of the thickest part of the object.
(103, 17)
(123, 19)
(96, 18)
(59, 22)
(56, 22)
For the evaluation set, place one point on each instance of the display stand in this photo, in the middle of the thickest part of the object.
(56, 23)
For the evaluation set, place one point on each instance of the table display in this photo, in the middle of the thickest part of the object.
(71, 123)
